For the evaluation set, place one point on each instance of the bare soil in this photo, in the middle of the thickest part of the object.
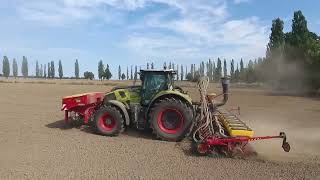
(36, 144)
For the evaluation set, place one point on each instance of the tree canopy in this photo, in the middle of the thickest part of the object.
(60, 70)
(24, 67)
(14, 68)
(6, 67)
(76, 69)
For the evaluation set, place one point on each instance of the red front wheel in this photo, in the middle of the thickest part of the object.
(109, 121)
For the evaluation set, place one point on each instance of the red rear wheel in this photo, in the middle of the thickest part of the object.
(170, 120)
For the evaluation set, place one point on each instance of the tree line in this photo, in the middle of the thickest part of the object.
(41, 70)
(213, 69)
(238, 72)
(6, 67)
(210, 68)
(105, 73)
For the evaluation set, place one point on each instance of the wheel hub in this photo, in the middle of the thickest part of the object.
(108, 121)
(171, 120)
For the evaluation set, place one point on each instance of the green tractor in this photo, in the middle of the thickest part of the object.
(157, 104)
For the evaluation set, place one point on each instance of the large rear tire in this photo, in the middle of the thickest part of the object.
(109, 121)
(171, 119)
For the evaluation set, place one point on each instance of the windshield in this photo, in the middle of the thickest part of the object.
(155, 82)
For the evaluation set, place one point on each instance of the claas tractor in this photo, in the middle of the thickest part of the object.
(158, 104)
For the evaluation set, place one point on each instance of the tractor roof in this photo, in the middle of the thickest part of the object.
(158, 70)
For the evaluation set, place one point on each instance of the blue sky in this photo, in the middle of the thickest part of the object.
(130, 32)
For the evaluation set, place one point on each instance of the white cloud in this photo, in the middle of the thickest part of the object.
(240, 1)
(200, 34)
(119, 4)
(52, 13)
(189, 50)
(66, 10)
(180, 29)
(246, 31)
(159, 45)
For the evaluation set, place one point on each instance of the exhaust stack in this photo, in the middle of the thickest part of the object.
(225, 81)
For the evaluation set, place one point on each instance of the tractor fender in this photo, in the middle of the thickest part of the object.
(170, 93)
(122, 107)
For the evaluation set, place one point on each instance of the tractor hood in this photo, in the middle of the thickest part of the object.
(124, 94)
(176, 93)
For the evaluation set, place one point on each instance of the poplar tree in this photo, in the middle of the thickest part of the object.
(232, 70)
(237, 74)
(182, 75)
(119, 72)
(300, 36)
(276, 43)
(202, 69)
(100, 70)
(135, 73)
(15, 68)
(44, 71)
(37, 69)
(76, 69)
(178, 72)
(213, 70)
(250, 77)
(123, 76)
(53, 70)
(41, 71)
(218, 69)
(24, 67)
(49, 71)
(242, 71)
(186, 73)
(6, 67)
(60, 70)
(127, 73)
(108, 73)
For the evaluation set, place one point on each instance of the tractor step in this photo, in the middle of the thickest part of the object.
(234, 125)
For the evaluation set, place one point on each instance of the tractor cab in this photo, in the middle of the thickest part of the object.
(154, 81)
